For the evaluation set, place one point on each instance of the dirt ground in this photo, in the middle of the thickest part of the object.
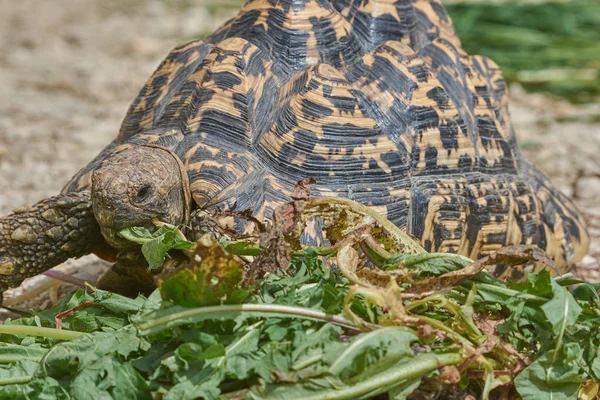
(70, 68)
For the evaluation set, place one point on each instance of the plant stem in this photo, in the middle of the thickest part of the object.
(260, 310)
(427, 301)
(15, 379)
(417, 367)
(9, 359)
(439, 325)
(61, 276)
(37, 331)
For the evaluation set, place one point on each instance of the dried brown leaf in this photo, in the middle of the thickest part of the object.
(449, 375)
(278, 240)
(210, 274)
(501, 263)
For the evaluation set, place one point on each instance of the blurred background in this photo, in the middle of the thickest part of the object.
(70, 68)
(545, 46)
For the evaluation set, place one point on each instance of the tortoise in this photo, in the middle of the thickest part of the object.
(374, 99)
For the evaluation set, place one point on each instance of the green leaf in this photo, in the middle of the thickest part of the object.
(117, 303)
(107, 378)
(195, 352)
(538, 284)
(465, 312)
(240, 248)
(313, 347)
(69, 358)
(10, 353)
(401, 392)
(20, 372)
(562, 311)
(551, 377)
(137, 234)
(367, 349)
(156, 250)
(288, 338)
(430, 264)
(555, 39)
(587, 292)
(18, 381)
(330, 387)
(156, 245)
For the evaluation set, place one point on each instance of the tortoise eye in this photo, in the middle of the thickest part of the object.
(143, 194)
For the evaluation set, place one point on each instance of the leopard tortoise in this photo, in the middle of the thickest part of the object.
(375, 99)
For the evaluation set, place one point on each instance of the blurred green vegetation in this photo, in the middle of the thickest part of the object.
(545, 46)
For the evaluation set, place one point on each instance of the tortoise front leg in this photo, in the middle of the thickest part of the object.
(37, 238)
(129, 276)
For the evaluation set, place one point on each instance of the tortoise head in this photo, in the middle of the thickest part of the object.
(137, 185)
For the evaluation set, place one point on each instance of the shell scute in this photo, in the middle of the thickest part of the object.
(297, 33)
(166, 81)
(321, 131)
(376, 21)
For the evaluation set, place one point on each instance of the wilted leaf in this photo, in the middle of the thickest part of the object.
(508, 257)
(342, 216)
(588, 391)
(213, 275)
(277, 241)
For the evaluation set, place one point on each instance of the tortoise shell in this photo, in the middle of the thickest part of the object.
(376, 100)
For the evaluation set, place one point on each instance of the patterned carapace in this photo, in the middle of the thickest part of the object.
(376, 100)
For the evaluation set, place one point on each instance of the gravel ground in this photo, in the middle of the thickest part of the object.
(70, 68)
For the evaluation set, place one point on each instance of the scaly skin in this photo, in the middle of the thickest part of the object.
(36, 238)
(129, 276)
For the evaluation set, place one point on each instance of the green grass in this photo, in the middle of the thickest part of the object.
(548, 46)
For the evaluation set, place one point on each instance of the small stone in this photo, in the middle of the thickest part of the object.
(50, 215)
(588, 187)
(24, 233)
(588, 260)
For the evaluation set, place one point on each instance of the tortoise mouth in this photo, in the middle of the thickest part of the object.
(114, 238)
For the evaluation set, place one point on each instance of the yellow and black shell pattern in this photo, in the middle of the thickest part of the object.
(376, 100)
